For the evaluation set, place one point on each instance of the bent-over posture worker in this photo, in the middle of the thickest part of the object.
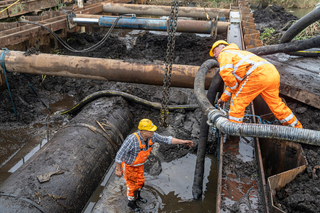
(132, 155)
(246, 76)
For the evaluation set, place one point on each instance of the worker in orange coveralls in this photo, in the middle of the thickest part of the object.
(134, 152)
(246, 76)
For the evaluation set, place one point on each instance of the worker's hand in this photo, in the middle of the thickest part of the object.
(187, 143)
(119, 172)
(220, 103)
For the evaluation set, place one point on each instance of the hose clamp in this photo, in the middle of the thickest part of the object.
(214, 114)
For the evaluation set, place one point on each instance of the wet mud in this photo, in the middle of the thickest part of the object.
(273, 16)
(169, 191)
(302, 194)
(146, 48)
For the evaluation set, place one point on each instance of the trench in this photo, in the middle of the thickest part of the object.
(22, 142)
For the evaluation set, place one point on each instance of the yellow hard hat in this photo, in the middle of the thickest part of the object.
(146, 124)
(217, 43)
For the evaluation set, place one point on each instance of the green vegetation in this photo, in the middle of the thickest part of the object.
(270, 36)
(311, 31)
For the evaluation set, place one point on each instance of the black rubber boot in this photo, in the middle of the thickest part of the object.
(141, 199)
(133, 205)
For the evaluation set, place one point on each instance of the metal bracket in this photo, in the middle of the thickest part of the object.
(214, 27)
(70, 23)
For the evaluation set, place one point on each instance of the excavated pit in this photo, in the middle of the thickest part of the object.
(59, 93)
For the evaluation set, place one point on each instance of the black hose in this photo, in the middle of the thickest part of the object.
(300, 25)
(297, 27)
(215, 86)
(287, 47)
(109, 93)
(199, 89)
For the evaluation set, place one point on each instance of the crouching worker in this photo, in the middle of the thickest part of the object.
(132, 155)
(247, 76)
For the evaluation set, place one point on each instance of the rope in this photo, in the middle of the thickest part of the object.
(9, 6)
(3, 55)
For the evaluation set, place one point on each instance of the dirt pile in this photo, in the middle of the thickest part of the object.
(273, 16)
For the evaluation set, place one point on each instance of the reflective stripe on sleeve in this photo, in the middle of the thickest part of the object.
(226, 66)
(235, 119)
(235, 86)
(227, 93)
(287, 118)
(137, 164)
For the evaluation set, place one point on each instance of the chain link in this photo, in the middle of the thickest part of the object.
(172, 26)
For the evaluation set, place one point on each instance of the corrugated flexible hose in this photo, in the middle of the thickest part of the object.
(305, 136)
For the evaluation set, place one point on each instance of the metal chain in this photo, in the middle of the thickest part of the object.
(172, 26)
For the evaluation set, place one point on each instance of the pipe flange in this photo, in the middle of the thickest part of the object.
(213, 115)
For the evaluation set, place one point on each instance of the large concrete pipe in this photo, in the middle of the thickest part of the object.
(101, 69)
(79, 154)
(155, 10)
(190, 26)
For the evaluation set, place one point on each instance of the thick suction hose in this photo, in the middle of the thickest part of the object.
(126, 96)
(305, 136)
(215, 86)
(300, 25)
(297, 27)
(287, 47)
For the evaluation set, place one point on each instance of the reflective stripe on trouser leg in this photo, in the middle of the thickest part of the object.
(248, 90)
(271, 96)
(134, 176)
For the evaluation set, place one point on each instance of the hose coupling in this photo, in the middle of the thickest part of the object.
(213, 115)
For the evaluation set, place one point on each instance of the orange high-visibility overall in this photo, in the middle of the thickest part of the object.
(246, 76)
(134, 173)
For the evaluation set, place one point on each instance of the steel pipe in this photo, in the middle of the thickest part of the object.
(155, 10)
(82, 150)
(190, 26)
(101, 69)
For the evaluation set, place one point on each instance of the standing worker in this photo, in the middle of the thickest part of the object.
(246, 76)
(132, 155)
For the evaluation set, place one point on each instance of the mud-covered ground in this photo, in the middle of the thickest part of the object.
(147, 48)
(273, 16)
(302, 194)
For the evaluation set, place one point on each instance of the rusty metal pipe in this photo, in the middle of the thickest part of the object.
(191, 26)
(156, 10)
(101, 69)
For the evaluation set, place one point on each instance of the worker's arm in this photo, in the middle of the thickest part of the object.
(184, 142)
(226, 69)
(170, 140)
(118, 170)
(124, 150)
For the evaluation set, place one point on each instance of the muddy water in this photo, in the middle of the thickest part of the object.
(21, 143)
(170, 191)
(299, 12)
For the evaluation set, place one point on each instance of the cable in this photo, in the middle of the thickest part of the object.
(37, 94)
(95, 46)
(24, 199)
(126, 96)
